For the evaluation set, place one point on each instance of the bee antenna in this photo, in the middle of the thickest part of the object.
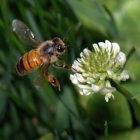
(66, 34)
(73, 47)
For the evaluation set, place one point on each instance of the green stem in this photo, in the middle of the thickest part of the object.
(129, 97)
(106, 131)
(132, 50)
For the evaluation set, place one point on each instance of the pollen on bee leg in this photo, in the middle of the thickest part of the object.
(53, 81)
(64, 66)
(59, 88)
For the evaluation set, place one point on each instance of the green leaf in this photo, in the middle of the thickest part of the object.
(133, 134)
(116, 112)
(129, 97)
(91, 18)
(47, 137)
(3, 100)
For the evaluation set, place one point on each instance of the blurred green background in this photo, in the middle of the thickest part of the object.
(27, 113)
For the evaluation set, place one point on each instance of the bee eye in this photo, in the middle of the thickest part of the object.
(60, 48)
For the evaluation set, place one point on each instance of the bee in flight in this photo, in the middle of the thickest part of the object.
(46, 53)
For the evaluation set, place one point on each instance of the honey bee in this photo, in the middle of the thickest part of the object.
(46, 53)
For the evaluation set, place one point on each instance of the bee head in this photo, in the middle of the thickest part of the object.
(59, 45)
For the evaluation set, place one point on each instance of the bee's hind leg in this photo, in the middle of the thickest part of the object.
(50, 78)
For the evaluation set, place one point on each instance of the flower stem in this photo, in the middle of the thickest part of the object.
(129, 97)
(133, 49)
(106, 131)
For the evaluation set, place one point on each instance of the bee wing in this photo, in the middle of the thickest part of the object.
(40, 80)
(25, 34)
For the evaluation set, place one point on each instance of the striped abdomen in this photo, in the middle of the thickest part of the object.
(29, 62)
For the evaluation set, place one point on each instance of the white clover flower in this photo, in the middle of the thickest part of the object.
(95, 68)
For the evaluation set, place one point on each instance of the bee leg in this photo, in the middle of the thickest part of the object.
(63, 64)
(50, 78)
